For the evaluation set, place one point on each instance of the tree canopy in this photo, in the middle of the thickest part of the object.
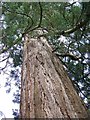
(66, 27)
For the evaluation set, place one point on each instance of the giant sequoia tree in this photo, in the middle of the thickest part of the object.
(46, 89)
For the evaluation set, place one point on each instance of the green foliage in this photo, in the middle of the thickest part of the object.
(19, 18)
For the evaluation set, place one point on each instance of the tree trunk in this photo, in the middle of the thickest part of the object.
(46, 89)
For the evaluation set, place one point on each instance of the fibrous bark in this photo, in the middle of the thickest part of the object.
(46, 89)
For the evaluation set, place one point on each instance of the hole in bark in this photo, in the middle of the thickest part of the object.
(39, 82)
(44, 94)
(44, 73)
(36, 57)
(48, 74)
(43, 44)
(56, 102)
(29, 106)
(42, 63)
(49, 107)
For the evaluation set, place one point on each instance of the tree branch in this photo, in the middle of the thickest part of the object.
(68, 55)
(78, 26)
(5, 58)
(39, 24)
(23, 14)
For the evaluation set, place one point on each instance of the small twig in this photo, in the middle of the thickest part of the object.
(70, 4)
(80, 90)
(5, 58)
(4, 66)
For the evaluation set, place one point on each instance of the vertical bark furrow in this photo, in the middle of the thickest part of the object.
(47, 90)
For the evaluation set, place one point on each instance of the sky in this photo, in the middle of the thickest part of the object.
(6, 104)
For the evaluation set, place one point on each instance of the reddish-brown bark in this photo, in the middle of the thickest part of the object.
(46, 90)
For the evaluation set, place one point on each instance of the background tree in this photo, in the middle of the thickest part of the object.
(57, 20)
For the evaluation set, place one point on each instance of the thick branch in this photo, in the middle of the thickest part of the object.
(39, 24)
(78, 26)
(68, 55)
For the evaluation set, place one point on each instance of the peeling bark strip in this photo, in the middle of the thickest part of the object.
(47, 91)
